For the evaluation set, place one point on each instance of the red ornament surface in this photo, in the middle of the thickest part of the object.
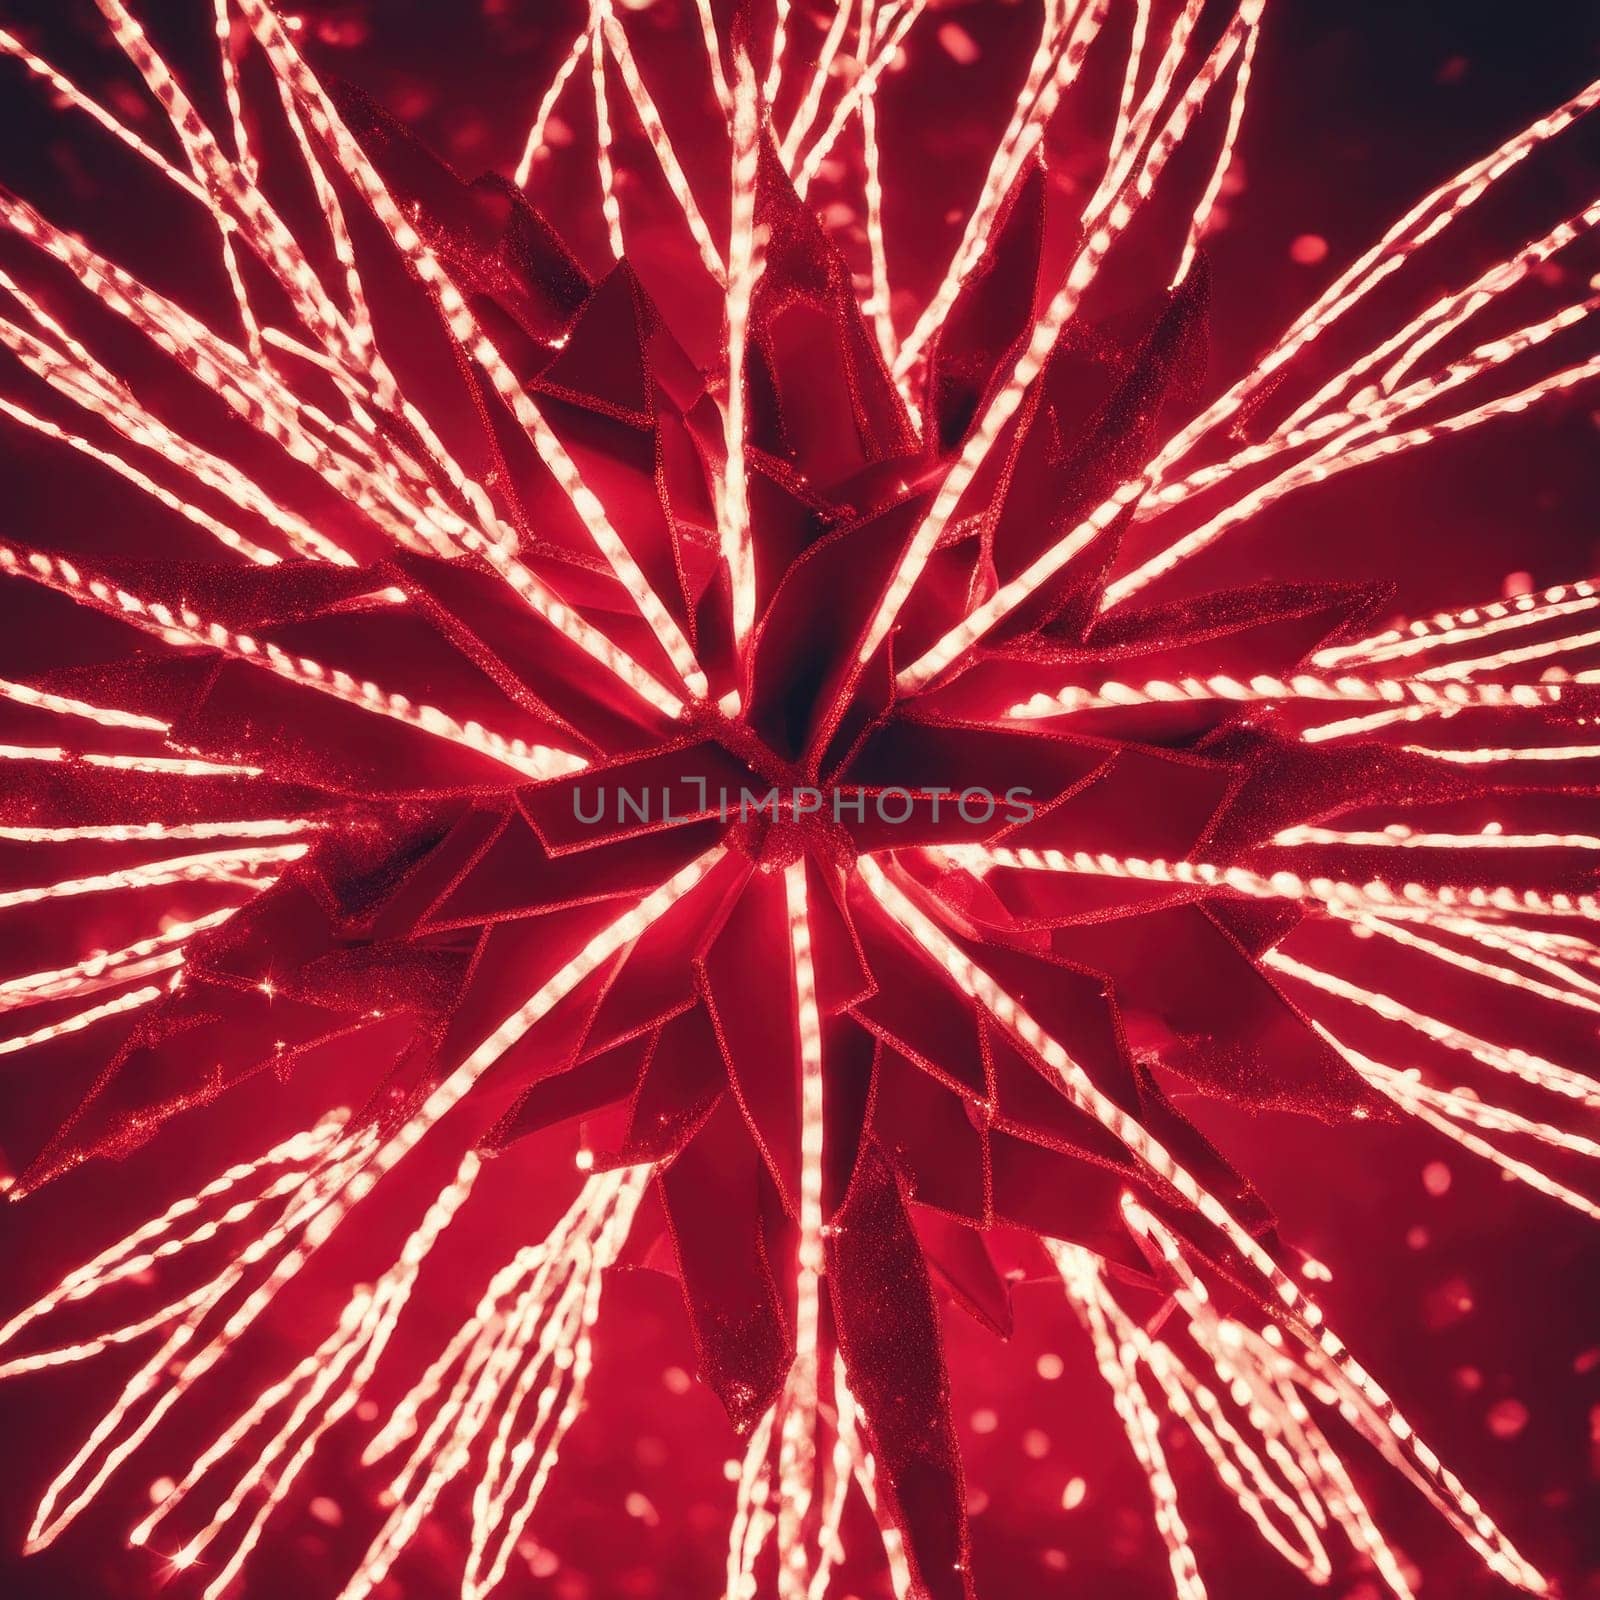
(686, 837)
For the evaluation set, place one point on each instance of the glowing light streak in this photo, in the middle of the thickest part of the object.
(23, 694)
(529, 1340)
(1455, 1113)
(220, 531)
(1053, 68)
(865, 83)
(1494, 755)
(708, 32)
(1208, 201)
(124, 1003)
(329, 1382)
(1102, 228)
(1465, 627)
(175, 766)
(805, 115)
(797, 1451)
(877, 307)
(1368, 413)
(1421, 224)
(609, 207)
(1438, 698)
(138, 832)
(1118, 1366)
(1381, 1418)
(464, 327)
(1434, 324)
(780, 44)
(206, 866)
(744, 269)
(1362, 443)
(1302, 1480)
(56, 572)
(535, 144)
(1399, 836)
(343, 1173)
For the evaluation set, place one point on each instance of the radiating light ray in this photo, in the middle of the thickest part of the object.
(88, 977)
(1454, 1113)
(1422, 223)
(1398, 835)
(865, 83)
(1514, 656)
(72, 371)
(328, 1384)
(1104, 223)
(609, 207)
(314, 1207)
(1446, 628)
(1560, 956)
(378, 484)
(1494, 755)
(1361, 444)
(70, 94)
(1305, 1482)
(877, 307)
(194, 137)
(1063, 44)
(528, 1341)
(798, 1406)
(1414, 230)
(1132, 131)
(172, 766)
(23, 694)
(107, 966)
(1277, 1376)
(1368, 413)
(341, 1175)
(78, 1021)
(207, 866)
(780, 1502)
(219, 531)
(616, 39)
(1349, 727)
(780, 45)
(1434, 324)
(230, 85)
(463, 325)
(744, 270)
(1400, 933)
(865, 1471)
(535, 144)
(1439, 698)
(1440, 905)
(241, 147)
(233, 189)
(1387, 1426)
(708, 32)
(56, 572)
(1271, 1485)
(1118, 1367)
(140, 832)
(805, 115)
(1203, 211)
(753, 1521)
(162, 1238)
(278, 250)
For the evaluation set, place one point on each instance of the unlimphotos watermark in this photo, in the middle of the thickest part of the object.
(694, 800)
